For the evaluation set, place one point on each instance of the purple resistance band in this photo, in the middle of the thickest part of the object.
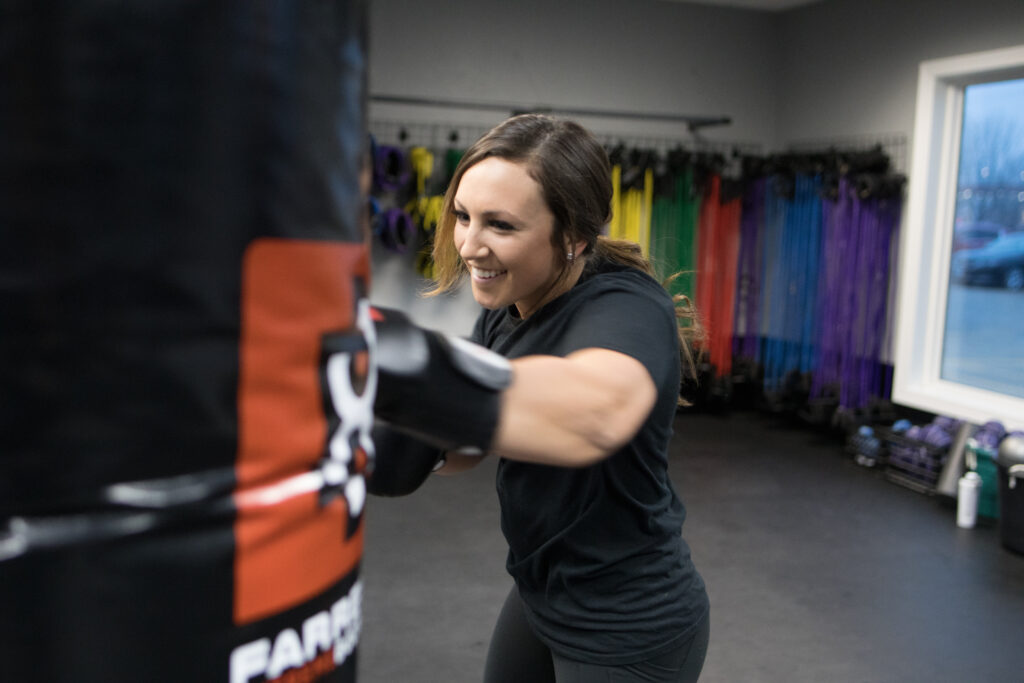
(854, 297)
(885, 221)
(853, 364)
(876, 233)
(396, 230)
(773, 291)
(840, 318)
(828, 297)
(748, 273)
(391, 169)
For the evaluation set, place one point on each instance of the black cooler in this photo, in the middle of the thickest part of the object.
(1011, 492)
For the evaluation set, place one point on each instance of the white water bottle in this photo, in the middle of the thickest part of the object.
(968, 492)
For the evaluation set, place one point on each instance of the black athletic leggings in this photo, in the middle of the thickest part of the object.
(516, 654)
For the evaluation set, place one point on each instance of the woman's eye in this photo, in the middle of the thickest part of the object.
(502, 225)
(461, 216)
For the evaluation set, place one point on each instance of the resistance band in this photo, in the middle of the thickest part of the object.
(774, 287)
(391, 168)
(396, 230)
(726, 254)
(748, 270)
(429, 214)
(421, 161)
(854, 304)
(673, 215)
(632, 205)
(706, 264)
(686, 243)
(615, 224)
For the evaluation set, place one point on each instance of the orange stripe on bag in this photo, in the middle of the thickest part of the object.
(292, 548)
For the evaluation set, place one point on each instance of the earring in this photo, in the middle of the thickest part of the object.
(571, 256)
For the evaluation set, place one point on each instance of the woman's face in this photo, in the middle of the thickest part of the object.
(503, 231)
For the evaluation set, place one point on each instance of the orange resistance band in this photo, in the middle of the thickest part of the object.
(718, 243)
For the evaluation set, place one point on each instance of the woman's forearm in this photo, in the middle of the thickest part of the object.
(573, 411)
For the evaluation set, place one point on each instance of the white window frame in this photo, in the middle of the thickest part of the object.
(927, 239)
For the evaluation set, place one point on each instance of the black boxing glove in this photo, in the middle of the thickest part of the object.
(442, 390)
(402, 462)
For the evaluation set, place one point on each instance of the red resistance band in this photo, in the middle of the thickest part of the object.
(718, 240)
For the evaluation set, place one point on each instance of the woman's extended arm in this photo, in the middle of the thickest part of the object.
(573, 411)
(570, 411)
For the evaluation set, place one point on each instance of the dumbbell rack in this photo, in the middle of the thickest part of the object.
(912, 463)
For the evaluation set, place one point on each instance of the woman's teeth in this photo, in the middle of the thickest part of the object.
(486, 274)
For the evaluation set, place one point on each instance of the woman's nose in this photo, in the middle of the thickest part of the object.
(473, 246)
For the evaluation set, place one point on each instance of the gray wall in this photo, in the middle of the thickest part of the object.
(832, 71)
(638, 55)
(849, 67)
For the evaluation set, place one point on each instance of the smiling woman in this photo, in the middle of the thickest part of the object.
(604, 581)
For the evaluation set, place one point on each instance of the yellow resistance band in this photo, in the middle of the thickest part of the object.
(422, 162)
(632, 210)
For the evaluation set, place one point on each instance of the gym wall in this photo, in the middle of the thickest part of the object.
(830, 72)
(637, 55)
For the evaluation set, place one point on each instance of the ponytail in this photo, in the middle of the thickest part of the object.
(623, 252)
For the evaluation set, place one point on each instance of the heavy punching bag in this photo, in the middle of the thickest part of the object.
(186, 357)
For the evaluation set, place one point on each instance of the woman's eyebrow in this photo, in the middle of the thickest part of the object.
(492, 213)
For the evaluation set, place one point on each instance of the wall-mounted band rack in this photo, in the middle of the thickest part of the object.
(437, 135)
(434, 135)
(693, 123)
(893, 144)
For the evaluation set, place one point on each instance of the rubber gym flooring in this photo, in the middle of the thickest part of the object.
(818, 569)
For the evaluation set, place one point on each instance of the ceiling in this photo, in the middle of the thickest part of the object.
(763, 5)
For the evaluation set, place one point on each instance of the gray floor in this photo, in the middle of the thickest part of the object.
(818, 570)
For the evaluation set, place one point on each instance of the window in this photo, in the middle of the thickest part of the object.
(983, 340)
(959, 333)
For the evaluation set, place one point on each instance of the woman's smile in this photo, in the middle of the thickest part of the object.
(481, 275)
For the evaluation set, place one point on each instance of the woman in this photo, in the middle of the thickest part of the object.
(604, 585)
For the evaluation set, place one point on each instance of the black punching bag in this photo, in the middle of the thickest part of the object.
(186, 379)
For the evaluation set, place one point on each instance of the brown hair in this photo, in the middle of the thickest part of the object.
(574, 173)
